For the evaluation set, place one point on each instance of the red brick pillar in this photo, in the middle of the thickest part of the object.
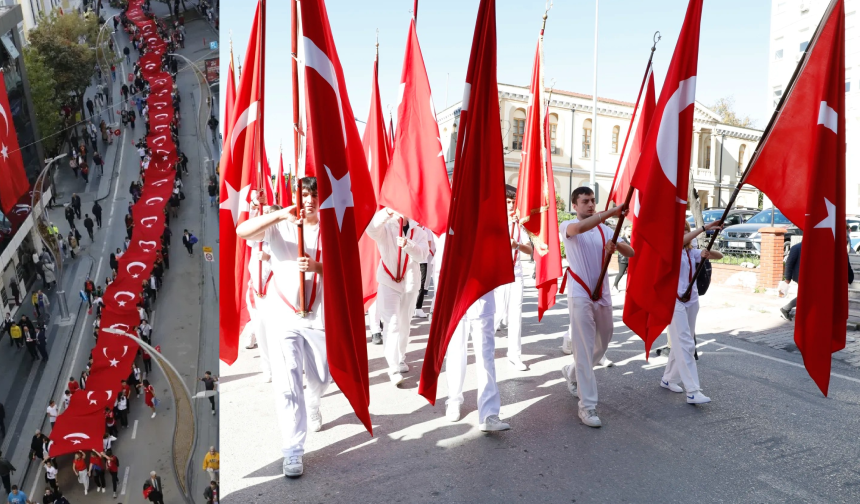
(771, 268)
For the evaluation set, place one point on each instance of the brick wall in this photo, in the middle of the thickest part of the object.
(771, 269)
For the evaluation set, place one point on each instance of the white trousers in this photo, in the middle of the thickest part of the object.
(395, 309)
(682, 364)
(483, 342)
(590, 332)
(293, 350)
(260, 330)
(373, 316)
(509, 307)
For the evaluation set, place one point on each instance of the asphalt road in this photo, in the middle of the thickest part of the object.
(769, 436)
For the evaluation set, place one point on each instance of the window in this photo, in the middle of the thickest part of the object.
(586, 139)
(777, 55)
(519, 129)
(741, 151)
(847, 86)
(708, 154)
(616, 130)
(553, 134)
(804, 45)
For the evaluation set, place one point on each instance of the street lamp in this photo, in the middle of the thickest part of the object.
(210, 101)
(184, 410)
(38, 187)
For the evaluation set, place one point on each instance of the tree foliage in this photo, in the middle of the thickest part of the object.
(725, 108)
(46, 102)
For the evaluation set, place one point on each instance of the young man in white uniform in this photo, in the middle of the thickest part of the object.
(398, 290)
(260, 271)
(585, 240)
(426, 273)
(296, 343)
(509, 297)
(682, 365)
(478, 322)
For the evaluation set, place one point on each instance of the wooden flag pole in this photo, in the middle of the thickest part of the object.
(294, 34)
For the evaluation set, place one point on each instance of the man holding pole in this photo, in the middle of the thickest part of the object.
(587, 241)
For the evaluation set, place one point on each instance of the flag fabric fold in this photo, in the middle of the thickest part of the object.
(334, 155)
(15, 183)
(662, 178)
(800, 166)
(478, 226)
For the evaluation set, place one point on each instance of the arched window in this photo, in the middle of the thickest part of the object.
(553, 134)
(519, 128)
(741, 151)
(616, 130)
(586, 139)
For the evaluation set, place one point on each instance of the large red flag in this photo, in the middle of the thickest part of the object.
(229, 104)
(285, 199)
(237, 181)
(71, 433)
(536, 206)
(416, 184)
(632, 152)
(477, 256)
(662, 178)
(335, 157)
(800, 165)
(266, 182)
(15, 183)
(375, 145)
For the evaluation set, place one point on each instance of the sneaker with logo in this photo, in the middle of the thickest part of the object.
(589, 417)
(293, 467)
(674, 387)
(697, 397)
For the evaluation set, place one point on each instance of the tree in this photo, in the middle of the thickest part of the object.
(725, 108)
(46, 103)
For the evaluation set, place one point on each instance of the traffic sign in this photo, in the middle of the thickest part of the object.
(213, 45)
(208, 255)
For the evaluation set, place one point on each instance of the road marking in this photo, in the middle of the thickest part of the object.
(134, 430)
(124, 481)
(24, 395)
(35, 481)
(776, 359)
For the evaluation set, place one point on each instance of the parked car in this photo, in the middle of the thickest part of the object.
(746, 239)
(853, 227)
(736, 216)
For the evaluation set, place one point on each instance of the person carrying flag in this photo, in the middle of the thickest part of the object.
(509, 297)
(296, 342)
(586, 241)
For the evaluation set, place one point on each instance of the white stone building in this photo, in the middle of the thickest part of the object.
(720, 151)
(792, 23)
(35, 9)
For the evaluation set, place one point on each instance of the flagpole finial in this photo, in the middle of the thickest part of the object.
(657, 38)
(545, 12)
(377, 43)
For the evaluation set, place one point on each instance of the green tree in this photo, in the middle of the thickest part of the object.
(43, 89)
(725, 108)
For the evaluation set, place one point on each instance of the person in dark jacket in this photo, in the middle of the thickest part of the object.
(792, 273)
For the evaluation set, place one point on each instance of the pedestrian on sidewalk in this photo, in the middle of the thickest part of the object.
(98, 161)
(91, 107)
(104, 130)
(211, 492)
(2, 424)
(73, 164)
(6, 471)
(122, 409)
(42, 341)
(113, 73)
(64, 248)
(89, 288)
(97, 213)
(50, 279)
(189, 240)
(85, 375)
(156, 492)
(30, 341)
(73, 244)
(7, 326)
(53, 412)
(17, 496)
(149, 396)
(89, 225)
(76, 205)
(80, 467)
(51, 474)
(213, 125)
(97, 471)
(147, 362)
(210, 383)
(112, 463)
(213, 192)
(16, 293)
(131, 117)
(85, 173)
(34, 299)
(110, 421)
(211, 463)
(127, 53)
(70, 215)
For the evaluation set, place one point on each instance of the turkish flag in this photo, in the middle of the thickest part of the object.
(15, 183)
(536, 207)
(416, 183)
(800, 165)
(335, 157)
(477, 256)
(662, 178)
(266, 183)
(229, 104)
(239, 164)
(632, 152)
(375, 143)
(77, 432)
(285, 199)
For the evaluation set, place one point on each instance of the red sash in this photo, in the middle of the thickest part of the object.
(405, 262)
(261, 294)
(689, 273)
(578, 279)
(313, 287)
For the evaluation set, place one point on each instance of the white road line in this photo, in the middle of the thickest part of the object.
(31, 378)
(35, 481)
(776, 359)
(124, 481)
(134, 430)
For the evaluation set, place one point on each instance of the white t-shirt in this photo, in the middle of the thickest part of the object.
(518, 233)
(585, 258)
(51, 472)
(384, 229)
(254, 265)
(53, 413)
(283, 247)
(689, 260)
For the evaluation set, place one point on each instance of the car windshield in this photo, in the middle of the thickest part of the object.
(764, 218)
(707, 216)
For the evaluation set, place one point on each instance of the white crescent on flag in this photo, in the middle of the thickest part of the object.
(143, 244)
(143, 221)
(667, 136)
(245, 119)
(131, 265)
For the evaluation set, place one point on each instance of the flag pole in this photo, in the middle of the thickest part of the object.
(294, 35)
(657, 38)
(605, 262)
(791, 82)
(258, 139)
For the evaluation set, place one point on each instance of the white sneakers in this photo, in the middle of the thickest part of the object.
(697, 397)
(419, 313)
(404, 367)
(674, 387)
(153, 415)
(396, 378)
(567, 372)
(589, 417)
(566, 346)
(606, 362)
(493, 424)
(293, 467)
(315, 420)
(452, 412)
(517, 364)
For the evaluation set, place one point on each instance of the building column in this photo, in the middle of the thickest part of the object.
(713, 160)
(694, 158)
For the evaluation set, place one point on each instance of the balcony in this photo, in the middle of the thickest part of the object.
(704, 174)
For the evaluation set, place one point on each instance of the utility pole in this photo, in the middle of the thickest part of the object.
(592, 181)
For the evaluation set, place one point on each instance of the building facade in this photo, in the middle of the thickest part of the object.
(792, 23)
(33, 10)
(720, 151)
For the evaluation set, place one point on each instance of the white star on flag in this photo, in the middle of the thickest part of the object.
(340, 198)
(76, 442)
(5, 152)
(121, 303)
(830, 220)
(114, 362)
(236, 202)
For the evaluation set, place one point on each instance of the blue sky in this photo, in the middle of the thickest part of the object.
(733, 50)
